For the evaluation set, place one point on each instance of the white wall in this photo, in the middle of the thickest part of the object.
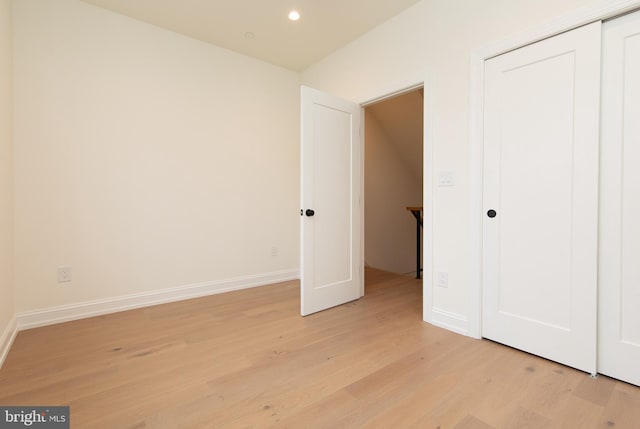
(144, 159)
(390, 186)
(433, 40)
(147, 160)
(6, 181)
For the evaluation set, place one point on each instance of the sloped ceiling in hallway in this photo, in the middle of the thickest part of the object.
(401, 118)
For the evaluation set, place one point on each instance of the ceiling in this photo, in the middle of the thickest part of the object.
(261, 29)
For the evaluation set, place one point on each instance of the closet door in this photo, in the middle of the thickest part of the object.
(619, 293)
(540, 197)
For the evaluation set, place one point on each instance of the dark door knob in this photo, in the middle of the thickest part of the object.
(310, 212)
(491, 213)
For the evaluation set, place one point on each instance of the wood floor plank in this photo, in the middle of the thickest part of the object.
(622, 410)
(471, 422)
(247, 359)
(597, 390)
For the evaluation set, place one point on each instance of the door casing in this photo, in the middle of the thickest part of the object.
(380, 94)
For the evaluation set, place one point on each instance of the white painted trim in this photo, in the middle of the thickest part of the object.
(7, 338)
(428, 192)
(605, 9)
(390, 91)
(602, 10)
(362, 200)
(411, 82)
(476, 129)
(65, 313)
(450, 321)
(403, 90)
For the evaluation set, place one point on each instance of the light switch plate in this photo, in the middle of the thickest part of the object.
(443, 279)
(446, 178)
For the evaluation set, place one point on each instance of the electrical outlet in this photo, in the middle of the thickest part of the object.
(443, 279)
(64, 274)
(274, 251)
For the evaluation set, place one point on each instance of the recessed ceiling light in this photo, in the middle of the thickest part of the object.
(294, 15)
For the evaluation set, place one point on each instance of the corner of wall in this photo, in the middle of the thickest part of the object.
(6, 339)
(8, 325)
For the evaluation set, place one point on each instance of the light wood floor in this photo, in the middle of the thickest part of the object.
(248, 360)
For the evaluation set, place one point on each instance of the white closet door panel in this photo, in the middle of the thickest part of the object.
(541, 178)
(619, 296)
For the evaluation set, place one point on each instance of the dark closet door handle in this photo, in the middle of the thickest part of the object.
(309, 212)
(491, 213)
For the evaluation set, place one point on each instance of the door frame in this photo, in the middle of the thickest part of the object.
(600, 11)
(390, 91)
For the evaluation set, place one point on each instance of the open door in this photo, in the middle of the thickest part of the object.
(331, 155)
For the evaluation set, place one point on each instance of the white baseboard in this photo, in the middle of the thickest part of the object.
(65, 313)
(450, 321)
(6, 339)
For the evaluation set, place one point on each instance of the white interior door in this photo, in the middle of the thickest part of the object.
(331, 156)
(540, 197)
(619, 293)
